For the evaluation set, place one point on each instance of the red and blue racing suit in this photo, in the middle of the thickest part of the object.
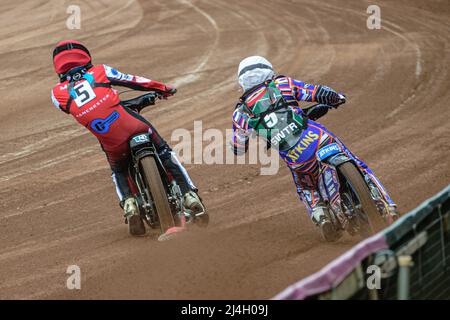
(93, 102)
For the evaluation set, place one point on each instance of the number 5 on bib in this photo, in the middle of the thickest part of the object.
(84, 93)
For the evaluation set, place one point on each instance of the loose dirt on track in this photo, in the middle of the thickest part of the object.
(57, 202)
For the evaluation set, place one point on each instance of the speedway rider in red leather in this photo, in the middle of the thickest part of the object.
(85, 91)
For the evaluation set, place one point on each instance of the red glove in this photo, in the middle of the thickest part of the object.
(170, 91)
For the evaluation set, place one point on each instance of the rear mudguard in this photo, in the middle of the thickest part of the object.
(141, 146)
(333, 155)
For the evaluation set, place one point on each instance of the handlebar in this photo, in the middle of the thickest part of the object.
(141, 101)
(342, 99)
(147, 99)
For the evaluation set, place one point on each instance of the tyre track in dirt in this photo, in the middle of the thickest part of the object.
(57, 203)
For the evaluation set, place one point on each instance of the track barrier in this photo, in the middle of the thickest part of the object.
(410, 259)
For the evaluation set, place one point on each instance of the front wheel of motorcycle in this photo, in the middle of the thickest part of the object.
(155, 184)
(372, 219)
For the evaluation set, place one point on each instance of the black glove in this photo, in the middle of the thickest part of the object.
(317, 111)
(140, 102)
(327, 96)
(148, 99)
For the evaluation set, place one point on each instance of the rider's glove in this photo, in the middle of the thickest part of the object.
(139, 103)
(148, 100)
(170, 91)
(327, 96)
(317, 112)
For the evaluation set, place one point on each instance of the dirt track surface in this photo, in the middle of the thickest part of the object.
(58, 205)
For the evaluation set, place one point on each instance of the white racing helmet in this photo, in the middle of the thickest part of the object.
(254, 70)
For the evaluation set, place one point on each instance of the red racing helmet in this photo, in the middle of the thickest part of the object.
(69, 54)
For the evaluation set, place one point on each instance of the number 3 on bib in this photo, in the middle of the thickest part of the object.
(84, 93)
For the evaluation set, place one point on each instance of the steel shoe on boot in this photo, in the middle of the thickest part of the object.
(193, 203)
(387, 211)
(321, 219)
(393, 214)
(135, 224)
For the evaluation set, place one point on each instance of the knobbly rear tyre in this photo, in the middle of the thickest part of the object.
(356, 181)
(156, 186)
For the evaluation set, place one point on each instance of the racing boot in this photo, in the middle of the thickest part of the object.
(388, 210)
(393, 214)
(320, 217)
(131, 212)
(194, 210)
(197, 211)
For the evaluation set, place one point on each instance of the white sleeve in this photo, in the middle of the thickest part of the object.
(114, 74)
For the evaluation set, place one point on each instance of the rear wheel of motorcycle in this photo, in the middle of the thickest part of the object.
(158, 192)
(356, 181)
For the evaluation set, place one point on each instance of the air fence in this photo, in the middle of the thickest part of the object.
(408, 260)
